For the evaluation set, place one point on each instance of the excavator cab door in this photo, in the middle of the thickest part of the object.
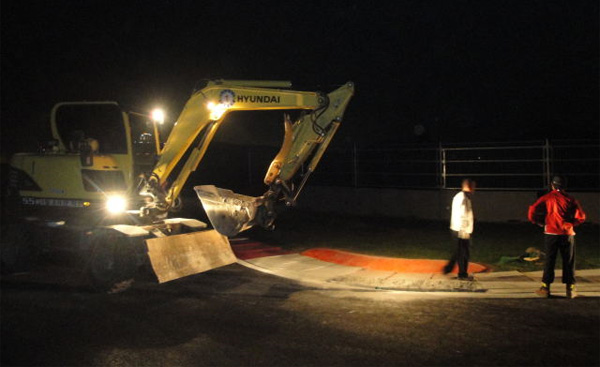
(145, 146)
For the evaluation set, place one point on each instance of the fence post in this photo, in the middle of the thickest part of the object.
(443, 166)
(440, 171)
(547, 165)
(355, 164)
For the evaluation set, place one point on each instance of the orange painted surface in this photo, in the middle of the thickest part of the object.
(247, 249)
(385, 263)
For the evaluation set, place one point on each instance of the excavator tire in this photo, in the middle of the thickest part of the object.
(19, 252)
(112, 264)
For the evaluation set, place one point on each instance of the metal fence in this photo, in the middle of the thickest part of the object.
(495, 166)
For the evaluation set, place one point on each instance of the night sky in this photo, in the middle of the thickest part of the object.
(464, 70)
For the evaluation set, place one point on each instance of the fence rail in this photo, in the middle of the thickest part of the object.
(495, 166)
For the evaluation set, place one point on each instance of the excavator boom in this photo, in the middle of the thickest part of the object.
(202, 115)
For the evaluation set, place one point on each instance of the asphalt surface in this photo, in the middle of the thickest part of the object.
(236, 316)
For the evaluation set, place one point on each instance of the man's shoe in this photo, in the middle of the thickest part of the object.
(466, 278)
(571, 292)
(543, 292)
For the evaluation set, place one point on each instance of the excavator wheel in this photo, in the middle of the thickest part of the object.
(112, 264)
(18, 252)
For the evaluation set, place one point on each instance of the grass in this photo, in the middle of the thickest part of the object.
(409, 238)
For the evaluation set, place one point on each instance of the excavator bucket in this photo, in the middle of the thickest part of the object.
(228, 212)
(174, 257)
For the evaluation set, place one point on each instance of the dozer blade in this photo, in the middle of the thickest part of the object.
(174, 257)
(228, 212)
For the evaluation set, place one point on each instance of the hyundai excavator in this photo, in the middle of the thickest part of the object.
(107, 187)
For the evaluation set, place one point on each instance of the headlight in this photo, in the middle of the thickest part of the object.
(116, 204)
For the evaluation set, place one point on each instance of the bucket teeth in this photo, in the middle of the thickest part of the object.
(228, 212)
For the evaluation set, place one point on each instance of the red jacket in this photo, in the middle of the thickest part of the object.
(560, 210)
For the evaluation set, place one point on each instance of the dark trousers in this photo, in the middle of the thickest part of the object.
(460, 256)
(566, 246)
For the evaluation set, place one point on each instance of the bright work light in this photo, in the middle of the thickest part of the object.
(216, 110)
(158, 115)
(116, 204)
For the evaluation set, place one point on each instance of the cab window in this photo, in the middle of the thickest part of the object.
(102, 122)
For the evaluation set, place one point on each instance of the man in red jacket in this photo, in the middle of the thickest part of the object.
(558, 213)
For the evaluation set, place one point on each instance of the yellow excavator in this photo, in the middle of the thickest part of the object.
(106, 186)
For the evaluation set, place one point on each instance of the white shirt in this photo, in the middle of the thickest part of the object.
(461, 219)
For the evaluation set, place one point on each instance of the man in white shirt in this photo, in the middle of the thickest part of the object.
(461, 224)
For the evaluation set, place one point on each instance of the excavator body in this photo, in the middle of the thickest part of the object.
(107, 181)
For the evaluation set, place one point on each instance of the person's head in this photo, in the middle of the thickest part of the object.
(558, 183)
(468, 185)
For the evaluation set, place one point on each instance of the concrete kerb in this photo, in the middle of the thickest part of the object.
(320, 274)
(307, 281)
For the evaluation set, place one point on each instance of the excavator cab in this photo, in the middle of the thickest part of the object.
(103, 128)
(87, 163)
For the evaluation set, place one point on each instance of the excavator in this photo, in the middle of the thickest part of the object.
(107, 187)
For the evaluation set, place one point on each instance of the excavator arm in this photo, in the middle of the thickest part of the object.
(304, 140)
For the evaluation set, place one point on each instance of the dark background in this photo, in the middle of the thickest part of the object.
(464, 70)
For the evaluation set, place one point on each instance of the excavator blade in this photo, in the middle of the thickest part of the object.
(174, 257)
(228, 212)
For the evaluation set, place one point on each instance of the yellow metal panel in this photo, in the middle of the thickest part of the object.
(253, 83)
(306, 138)
(277, 163)
(59, 176)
